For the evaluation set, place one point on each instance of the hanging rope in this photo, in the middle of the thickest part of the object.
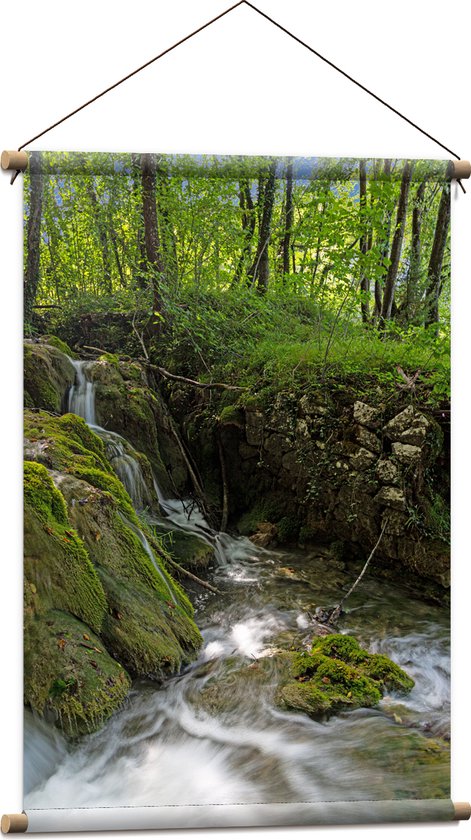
(205, 26)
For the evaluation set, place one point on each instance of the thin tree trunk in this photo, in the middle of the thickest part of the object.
(151, 233)
(384, 248)
(141, 278)
(396, 247)
(434, 273)
(102, 234)
(413, 275)
(33, 235)
(260, 268)
(248, 228)
(286, 244)
(364, 282)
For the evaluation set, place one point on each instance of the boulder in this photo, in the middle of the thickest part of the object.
(363, 459)
(48, 373)
(388, 472)
(368, 440)
(392, 497)
(91, 573)
(409, 427)
(366, 415)
(406, 453)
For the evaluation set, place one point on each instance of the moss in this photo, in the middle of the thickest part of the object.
(388, 674)
(231, 415)
(288, 529)
(111, 358)
(187, 549)
(68, 675)
(337, 673)
(55, 341)
(47, 375)
(68, 445)
(57, 564)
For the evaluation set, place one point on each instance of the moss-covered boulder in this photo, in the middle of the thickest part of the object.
(91, 572)
(336, 674)
(126, 404)
(48, 373)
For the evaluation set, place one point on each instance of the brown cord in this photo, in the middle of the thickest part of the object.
(205, 26)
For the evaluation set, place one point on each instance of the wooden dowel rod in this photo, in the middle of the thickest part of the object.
(461, 169)
(17, 161)
(14, 823)
(462, 810)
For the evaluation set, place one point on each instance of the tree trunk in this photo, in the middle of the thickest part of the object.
(286, 244)
(266, 198)
(151, 233)
(384, 247)
(102, 234)
(365, 281)
(33, 234)
(396, 247)
(248, 227)
(413, 275)
(140, 262)
(434, 273)
(167, 234)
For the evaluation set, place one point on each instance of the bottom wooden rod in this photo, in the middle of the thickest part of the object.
(462, 810)
(14, 823)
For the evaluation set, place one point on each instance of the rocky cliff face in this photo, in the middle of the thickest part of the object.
(335, 469)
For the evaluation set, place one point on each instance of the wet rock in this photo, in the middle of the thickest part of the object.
(246, 452)
(48, 373)
(366, 415)
(266, 535)
(367, 439)
(392, 497)
(254, 426)
(388, 472)
(410, 426)
(362, 460)
(406, 453)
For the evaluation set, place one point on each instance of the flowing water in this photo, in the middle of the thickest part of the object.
(213, 734)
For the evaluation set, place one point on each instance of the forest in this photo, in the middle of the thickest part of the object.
(236, 480)
(252, 267)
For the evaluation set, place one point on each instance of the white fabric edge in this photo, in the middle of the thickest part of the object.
(232, 816)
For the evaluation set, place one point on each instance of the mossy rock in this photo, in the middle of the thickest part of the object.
(57, 565)
(86, 558)
(337, 673)
(125, 404)
(69, 677)
(55, 341)
(187, 549)
(48, 373)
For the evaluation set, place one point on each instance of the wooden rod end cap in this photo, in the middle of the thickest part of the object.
(14, 823)
(461, 169)
(462, 810)
(18, 161)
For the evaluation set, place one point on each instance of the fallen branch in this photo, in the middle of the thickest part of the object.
(192, 576)
(220, 386)
(331, 616)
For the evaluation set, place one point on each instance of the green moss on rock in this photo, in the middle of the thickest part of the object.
(57, 564)
(68, 676)
(48, 372)
(337, 673)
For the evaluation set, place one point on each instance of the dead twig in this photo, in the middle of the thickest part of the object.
(221, 386)
(192, 577)
(333, 615)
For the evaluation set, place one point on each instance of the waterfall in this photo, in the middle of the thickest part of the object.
(82, 393)
(119, 452)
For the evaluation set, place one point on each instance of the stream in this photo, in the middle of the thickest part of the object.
(213, 733)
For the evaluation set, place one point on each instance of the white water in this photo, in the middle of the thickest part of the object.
(168, 747)
(82, 392)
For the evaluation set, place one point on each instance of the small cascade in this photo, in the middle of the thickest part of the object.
(126, 466)
(82, 393)
(81, 401)
(145, 544)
